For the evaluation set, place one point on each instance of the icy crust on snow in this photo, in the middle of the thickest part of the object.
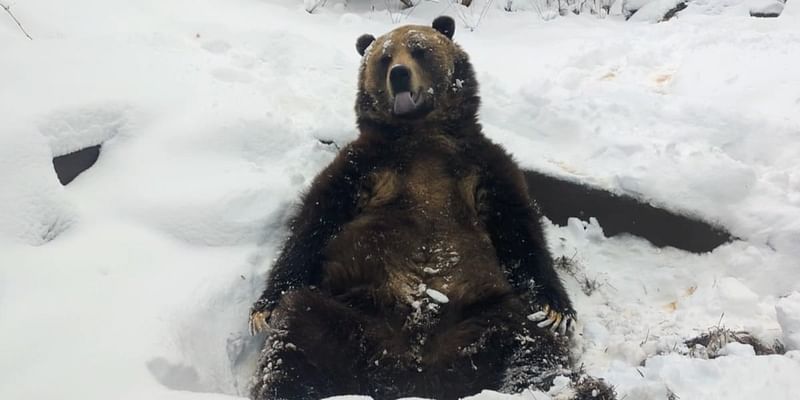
(211, 117)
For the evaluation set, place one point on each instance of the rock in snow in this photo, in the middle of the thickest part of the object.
(766, 8)
(652, 10)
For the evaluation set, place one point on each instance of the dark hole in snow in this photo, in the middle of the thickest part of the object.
(765, 14)
(618, 214)
(69, 166)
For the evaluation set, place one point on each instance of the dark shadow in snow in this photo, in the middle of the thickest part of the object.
(69, 166)
(559, 200)
(765, 14)
(175, 376)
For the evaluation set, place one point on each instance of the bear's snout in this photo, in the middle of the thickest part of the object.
(400, 78)
(406, 102)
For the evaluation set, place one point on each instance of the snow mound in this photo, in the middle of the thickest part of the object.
(788, 312)
(211, 115)
(34, 208)
(766, 8)
(74, 129)
(723, 377)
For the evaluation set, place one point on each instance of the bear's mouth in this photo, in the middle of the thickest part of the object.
(405, 103)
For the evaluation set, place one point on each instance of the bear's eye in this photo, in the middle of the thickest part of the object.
(385, 59)
(418, 52)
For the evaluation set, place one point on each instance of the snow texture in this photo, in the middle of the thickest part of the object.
(134, 281)
(788, 313)
(791, 10)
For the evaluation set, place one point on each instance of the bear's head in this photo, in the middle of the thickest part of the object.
(415, 75)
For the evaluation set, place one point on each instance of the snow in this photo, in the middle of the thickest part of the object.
(35, 207)
(788, 313)
(738, 349)
(437, 296)
(134, 281)
(791, 11)
(725, 377)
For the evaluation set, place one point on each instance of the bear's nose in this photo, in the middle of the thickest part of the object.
(400, 78)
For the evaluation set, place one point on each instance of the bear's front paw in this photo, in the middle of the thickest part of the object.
(259, 317)
(559, 321)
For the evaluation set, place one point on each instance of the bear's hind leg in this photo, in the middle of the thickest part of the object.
(590, 388)
(284, 373)
(315, 349)
(535, 358)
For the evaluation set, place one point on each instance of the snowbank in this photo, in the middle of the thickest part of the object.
(34, 207)
(134, 281)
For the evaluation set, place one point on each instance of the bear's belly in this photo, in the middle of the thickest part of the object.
(408, 264)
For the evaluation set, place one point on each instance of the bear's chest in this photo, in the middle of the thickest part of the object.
(433, 179)
(417, 237)
(429, 184)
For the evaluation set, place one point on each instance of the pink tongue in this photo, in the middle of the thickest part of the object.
(403, 103)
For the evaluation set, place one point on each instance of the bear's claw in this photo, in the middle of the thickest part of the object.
(557, 321)
(258, 321)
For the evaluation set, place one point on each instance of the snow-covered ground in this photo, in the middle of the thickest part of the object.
(134, 281)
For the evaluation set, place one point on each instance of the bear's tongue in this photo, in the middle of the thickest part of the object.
(404, 103)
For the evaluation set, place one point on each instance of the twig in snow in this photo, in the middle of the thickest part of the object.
(646, 337)
(671, 395)
(330, 142)
(19, 24)
(310, 8)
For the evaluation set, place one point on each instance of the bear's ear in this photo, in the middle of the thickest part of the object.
(363, 42)
(445, 25)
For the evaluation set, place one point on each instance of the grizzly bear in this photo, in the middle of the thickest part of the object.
(416, 264)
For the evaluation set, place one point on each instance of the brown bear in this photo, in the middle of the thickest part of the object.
(416, 264)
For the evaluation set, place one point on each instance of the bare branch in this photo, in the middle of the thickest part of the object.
(19, 24)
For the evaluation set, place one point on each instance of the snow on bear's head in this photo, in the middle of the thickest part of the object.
(415, 74)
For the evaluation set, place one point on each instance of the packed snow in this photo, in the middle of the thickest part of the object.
(788, 313)
(135, 280)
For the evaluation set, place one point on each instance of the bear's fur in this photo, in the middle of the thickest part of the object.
(417, 259)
